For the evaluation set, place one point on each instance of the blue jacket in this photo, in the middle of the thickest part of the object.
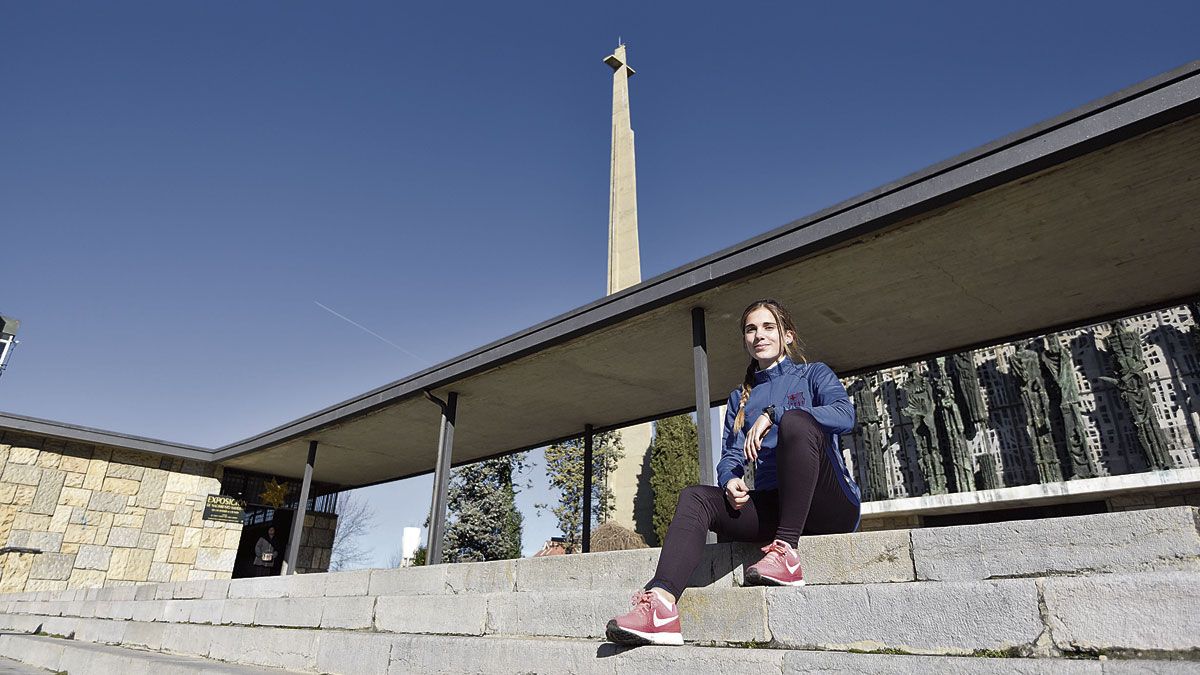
(790, 386)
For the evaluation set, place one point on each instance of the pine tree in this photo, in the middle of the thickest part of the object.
(564, 468)
(484, 523)
(674, 465)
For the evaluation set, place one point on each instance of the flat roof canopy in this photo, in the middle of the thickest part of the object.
(1091, 215)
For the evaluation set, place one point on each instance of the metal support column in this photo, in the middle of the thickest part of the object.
(587, 488)
(441, 478)
(300, 513)
(703, 399)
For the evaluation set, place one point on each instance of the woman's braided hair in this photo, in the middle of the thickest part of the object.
(784, 321)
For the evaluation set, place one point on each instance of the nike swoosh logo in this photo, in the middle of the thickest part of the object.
(659, 623)
(790, 568)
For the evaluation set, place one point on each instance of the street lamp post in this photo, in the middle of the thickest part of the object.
(8, 338)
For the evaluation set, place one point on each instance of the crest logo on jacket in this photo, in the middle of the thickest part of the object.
(795, 400)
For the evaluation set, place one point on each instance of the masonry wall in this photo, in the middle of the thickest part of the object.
(106, 517)
(316, 543)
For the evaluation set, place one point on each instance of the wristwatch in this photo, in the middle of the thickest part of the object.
(769, 411)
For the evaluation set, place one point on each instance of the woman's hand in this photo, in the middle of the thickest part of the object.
(754, 437)
(737, 493)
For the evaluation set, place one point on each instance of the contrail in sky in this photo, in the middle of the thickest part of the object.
(355, 323)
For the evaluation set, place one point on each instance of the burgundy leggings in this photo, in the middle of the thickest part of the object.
(809, 500)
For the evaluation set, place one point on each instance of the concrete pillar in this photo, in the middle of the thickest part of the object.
(441, 480)
(586, 536)
(301, 512)
(708, 469)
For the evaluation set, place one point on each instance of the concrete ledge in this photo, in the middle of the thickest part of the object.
(1128, 541)
(294, 649)
(857, 558)
(948, 618)
(1165, 539)
(408, 581)
(354, 653)
(712, 615)
(1153, 612)
(615, 569)
(1087, 489)
(260, 587)
(338, 652)
(351, 613)
(289, 612)
(451, 615)
(339, 584)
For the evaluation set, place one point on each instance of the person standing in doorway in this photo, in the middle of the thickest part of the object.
(265, 553)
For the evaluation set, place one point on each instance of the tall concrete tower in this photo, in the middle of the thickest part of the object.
(624, 261)
(630, 482)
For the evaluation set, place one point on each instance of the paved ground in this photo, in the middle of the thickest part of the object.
(10, 667)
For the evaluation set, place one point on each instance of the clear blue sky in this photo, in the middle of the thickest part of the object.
(181, 182)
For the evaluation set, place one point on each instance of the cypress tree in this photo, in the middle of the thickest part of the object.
(674, 465)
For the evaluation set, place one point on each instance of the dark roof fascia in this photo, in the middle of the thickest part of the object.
(72, 432)
(1072, 134)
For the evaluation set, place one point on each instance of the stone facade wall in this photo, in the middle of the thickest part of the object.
(106, 516)
(316, 543)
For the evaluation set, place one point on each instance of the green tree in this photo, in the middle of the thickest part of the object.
(674, 465)
(484, 523)
(564, 468)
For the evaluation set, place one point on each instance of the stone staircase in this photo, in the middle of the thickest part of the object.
(1106, 593)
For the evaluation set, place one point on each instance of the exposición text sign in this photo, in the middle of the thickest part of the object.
(223, 508)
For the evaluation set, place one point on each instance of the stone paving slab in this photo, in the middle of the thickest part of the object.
(1149, 612)
(1142, 611)
(858, 558)
(925, 618)
(336, 652)
(454, 615)
(1130, 541)
(1152, 539)
(73, 656)
(10, 667)
(715, 615)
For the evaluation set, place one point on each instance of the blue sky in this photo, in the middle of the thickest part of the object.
(181, 183)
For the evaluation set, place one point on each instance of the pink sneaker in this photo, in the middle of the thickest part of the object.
(780, 567)
(651, 622)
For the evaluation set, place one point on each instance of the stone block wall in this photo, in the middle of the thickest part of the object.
(106, 516)
(316, 543)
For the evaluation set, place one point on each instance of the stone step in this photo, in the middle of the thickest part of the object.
(1145, 611)
(72, 656)
(11, 667)
(1156, 539)
(335, 652)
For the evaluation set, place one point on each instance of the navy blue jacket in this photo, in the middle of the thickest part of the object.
(790, 386)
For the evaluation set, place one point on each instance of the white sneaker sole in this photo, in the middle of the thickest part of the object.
(777, 582)
(758, 579)
(670, 639)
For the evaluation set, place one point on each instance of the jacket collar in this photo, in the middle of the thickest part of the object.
(775, 371)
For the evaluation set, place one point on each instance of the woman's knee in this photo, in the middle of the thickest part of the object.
(696, 499)
(797, 425)
(694, 494)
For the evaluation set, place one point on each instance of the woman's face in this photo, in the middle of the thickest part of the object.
(763, 339)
